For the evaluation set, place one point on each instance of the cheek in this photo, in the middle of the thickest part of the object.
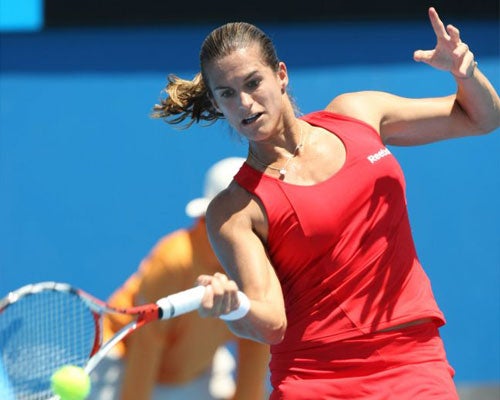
(229, 111)
(275, 101)
(226, 108)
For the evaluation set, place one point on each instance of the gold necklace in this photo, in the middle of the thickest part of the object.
(282, 170)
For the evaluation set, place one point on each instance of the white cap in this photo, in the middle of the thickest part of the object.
(217, 178)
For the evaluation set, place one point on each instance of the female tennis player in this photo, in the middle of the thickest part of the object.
(314, 228)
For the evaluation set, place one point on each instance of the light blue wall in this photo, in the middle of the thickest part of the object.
(21, 15)
(88, 182)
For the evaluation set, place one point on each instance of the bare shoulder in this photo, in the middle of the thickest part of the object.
(237, 229)
(366, 106)
(234, 209)
(348, 103)
(340, 102)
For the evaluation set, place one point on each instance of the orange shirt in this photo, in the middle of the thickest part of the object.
(189, 342)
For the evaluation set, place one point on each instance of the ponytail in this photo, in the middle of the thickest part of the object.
(185, 99)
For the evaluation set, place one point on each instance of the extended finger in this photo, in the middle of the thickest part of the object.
(437, 24)
(454, 34)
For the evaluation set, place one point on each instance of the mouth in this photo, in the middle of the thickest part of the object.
(250, 120)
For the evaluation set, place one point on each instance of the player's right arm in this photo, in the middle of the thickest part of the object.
(237, 228)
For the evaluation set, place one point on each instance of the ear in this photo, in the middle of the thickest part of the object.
(282, 76)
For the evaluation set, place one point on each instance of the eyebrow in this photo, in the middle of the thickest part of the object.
(249, 76)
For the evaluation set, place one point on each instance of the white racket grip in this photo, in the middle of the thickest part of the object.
(189, 300)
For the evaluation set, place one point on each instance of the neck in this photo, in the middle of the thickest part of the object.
(261, 158)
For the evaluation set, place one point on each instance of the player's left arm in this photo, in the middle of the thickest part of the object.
(474, 109)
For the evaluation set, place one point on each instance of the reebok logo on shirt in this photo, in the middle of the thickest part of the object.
(373, 158)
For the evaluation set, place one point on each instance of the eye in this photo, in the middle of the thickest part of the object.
(253, 84)
(226, 93)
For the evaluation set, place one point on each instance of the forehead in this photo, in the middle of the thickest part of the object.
(236, 65)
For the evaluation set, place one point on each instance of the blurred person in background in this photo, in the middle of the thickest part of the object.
(186, 357)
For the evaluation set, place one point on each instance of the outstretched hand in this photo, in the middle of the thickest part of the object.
(450, 53)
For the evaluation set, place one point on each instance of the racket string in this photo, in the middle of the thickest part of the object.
(40, 333)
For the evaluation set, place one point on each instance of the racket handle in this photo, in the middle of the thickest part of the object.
(189, 300)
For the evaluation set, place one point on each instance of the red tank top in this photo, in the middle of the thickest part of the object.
(342, 248)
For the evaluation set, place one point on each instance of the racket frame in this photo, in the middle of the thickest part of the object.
(166, 308)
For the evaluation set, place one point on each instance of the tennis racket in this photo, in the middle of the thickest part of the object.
(46, 325)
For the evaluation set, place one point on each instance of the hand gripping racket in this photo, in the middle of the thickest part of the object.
(46, 325)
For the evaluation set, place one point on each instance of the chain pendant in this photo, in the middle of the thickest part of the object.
(283, 170)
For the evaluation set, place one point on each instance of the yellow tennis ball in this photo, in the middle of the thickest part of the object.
(70, 383)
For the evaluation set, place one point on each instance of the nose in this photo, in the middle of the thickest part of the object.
(245, 100)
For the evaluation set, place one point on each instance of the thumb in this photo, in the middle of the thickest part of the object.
(423, 55)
